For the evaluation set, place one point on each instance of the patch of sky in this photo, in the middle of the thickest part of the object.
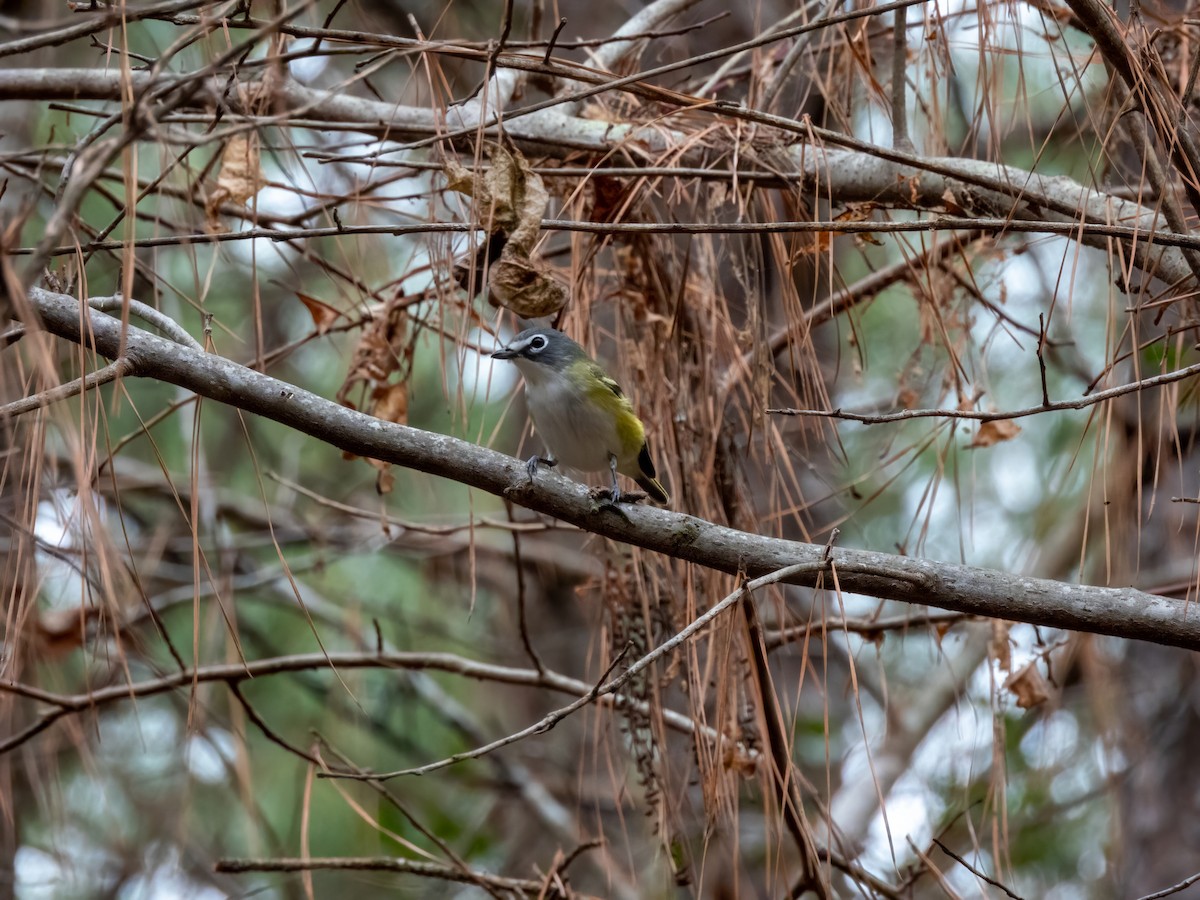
(306, 67)
(210, 755)
(911, 809)
(145, 739)
(57, 528)
(1067, 890)
(1051, 741)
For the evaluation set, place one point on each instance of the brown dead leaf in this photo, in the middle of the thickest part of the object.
(511, 199)
(610, 197)
(914, 187)
(509, 195)
(740, 761)
(323, 315)
(382, 364)
(526, 286)
(60, 632)
(991, 433)
(390, 402)
(385, 481)
(238, 179)
(384, 349)
(951, 203)
(821, 240)
(1029, 686)
(814, 244)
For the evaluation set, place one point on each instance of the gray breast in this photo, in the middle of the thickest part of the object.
(578, 434)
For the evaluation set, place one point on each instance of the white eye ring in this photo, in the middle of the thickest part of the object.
(538, 343)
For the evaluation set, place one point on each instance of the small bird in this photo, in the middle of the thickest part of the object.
(582, 415)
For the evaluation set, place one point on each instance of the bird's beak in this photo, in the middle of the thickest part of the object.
(504, 353)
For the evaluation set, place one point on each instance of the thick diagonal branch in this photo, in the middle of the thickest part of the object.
(1124, 612)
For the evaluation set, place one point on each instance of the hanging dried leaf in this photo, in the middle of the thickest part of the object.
(994, 432)
(822, 240)
(511, 199)
(59, 633)
(390, 402)
(382, 364)
(509, 195)
(239, 178)
(1028, 686)
(323, 315)
(385, 481)
(526, 286)
(385, 348)
(739, 759)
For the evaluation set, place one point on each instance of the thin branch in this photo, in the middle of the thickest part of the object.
(974, 871)
(1076, 230)
(234, 673)
(775, 638)
(111, 372)
(994, 416)
(779, 744)
(113, 16)
(605, 688)
(900, 138)
(147, 313)
(1173, 889)
(381, 864)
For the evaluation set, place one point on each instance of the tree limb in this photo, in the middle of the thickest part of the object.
(1123, 612)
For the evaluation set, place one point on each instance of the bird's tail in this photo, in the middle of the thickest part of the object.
(652, 487)
(646, 478)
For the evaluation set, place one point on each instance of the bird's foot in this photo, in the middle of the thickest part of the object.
(534, 461)
(613, 496)
(613, 500)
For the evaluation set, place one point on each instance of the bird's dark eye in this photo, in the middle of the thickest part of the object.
(537, 344)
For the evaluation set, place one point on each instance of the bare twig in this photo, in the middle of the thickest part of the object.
(604, 688)
(111, 372)
(974, 871)
(994, 416)
(382, 864)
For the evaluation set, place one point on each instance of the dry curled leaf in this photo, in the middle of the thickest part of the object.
(822, 240)
(323, 315)
(382, 364)
(390, 402)
(509, 195)
(526, 286)
(994, 432)
(238, 179)
(384, 349)
(1029, 686)
(511, 199)
(385, 481)
(738, 759)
